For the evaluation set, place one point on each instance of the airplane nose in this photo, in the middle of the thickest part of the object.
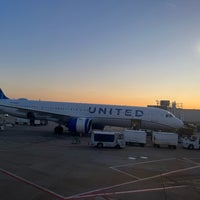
(180, 123)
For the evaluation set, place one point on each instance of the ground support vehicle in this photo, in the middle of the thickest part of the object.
(135, 137)
(192, 142)
(165, 139)
(36, 122)
(107, 139)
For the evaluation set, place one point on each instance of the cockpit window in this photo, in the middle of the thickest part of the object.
(169, 115)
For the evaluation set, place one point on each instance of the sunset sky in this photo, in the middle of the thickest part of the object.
(126, 52)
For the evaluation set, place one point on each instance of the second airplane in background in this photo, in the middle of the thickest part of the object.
(81, 118)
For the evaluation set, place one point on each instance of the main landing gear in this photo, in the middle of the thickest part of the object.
(58, 130)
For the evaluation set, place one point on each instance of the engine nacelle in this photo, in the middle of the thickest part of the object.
(79, 125)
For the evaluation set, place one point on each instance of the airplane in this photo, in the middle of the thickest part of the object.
(83, 117)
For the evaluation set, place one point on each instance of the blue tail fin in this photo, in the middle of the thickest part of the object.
(2, 95)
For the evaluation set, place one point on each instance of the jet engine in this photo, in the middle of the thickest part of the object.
(79, 125)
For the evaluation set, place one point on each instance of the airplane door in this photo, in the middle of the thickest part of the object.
(135, 124)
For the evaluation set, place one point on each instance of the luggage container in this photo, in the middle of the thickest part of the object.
(135, 137)
(165, 139)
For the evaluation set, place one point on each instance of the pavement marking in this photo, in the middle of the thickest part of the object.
(139, 180)
(43, 189)
(127, 192)
(95, 193)
(131, 158)
(190, 161)
(143, 157)
(145, 162)
(122, 172)
(180, 170)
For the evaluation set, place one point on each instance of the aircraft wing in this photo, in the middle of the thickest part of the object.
(39, 114)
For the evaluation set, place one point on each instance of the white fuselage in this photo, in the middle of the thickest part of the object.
(113, 115)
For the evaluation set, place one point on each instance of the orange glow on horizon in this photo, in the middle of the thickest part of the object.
(110, 101)
(98, 98)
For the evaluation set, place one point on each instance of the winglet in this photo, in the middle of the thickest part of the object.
(2, 95)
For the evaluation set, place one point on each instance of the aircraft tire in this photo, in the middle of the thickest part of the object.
(118, 146)
(58, 130)
(99, 145)
(191, 147)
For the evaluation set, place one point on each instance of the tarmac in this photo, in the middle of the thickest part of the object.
(36, 164)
